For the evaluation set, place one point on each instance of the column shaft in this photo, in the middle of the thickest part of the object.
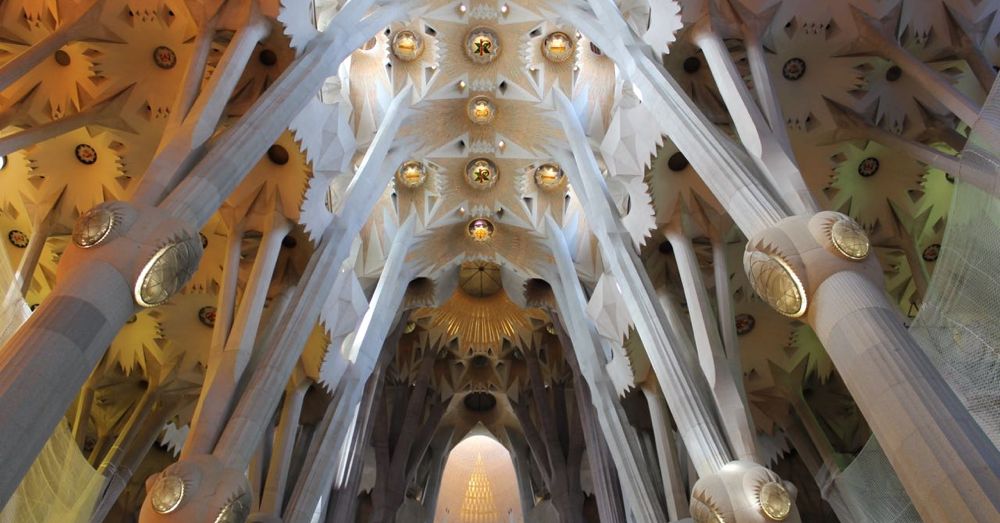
(949, 467)
(666, 453)
(734, 411)
(683, 384)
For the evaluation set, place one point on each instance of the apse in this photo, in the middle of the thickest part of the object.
(479, 484)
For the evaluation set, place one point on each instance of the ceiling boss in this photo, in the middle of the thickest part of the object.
(481, 173)
(549, 176)
(407, 45)
(558, 47)
(481, 230)
(482, 46)
(481, 110)
(411, 174)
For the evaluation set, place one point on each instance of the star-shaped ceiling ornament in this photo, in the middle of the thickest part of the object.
(459, 189)
(449, 242)
(481, 47)
(550, 65)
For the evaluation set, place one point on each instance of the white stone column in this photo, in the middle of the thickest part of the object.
(285, 345)
(273, 496)
(41, 227)
(589, 351)
(342, 503)
(44, 364)
(683, 383)
(724, 303)
(767, 142)
(726, 169)
(198, 196)
(666, 454)
(227, 363)
(607, 488)
(94, 296)
(197, 110)
(274, 369)
(327, 458)
(948, 465)
(733, 409)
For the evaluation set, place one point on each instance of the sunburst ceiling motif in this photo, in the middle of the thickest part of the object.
(482, 323)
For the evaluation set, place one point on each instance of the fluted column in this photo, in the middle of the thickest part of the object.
(683, 383)
(41, 227)
(198, 109)
(588, 349)
(666, 453)
(94, 295)
(948, 465)
(607, 488)
(323, 275)
(726, 169)
(322, 271)
(224, 166)
(227, 363)
(273, 496)
(767, 142)
(733, 409)
(44, 364)
(944, 460)
(326, 457)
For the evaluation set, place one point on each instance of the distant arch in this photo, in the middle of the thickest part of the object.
(465, 498)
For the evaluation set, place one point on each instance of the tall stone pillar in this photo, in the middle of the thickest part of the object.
(224, 468)
(722, 491)
(133, 255)
(819, 268)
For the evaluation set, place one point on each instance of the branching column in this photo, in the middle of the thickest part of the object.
(732, 405)
(766, 141)
(412, 430)
(97, 287)
(607, 489)
(683, 383)
(666, 453)
(227, 363)
(587, 346)
(253, 412)
(557, 452)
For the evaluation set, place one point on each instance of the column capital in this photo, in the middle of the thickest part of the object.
(789, 261)
(744, 492)
(152, 250)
